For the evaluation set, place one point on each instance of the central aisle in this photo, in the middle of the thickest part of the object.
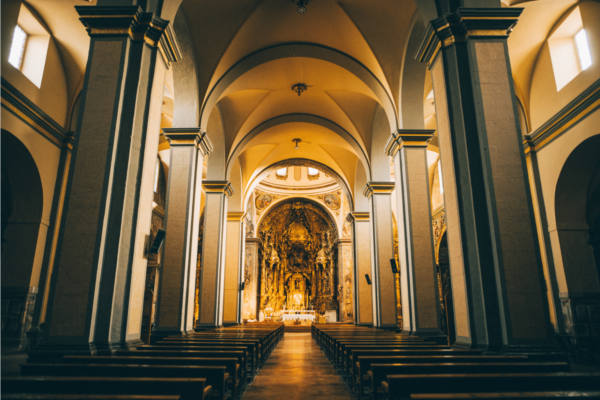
(297, 369)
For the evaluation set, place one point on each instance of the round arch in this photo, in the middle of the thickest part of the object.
(296, 161)
(305, 118)
(285, 200)
(578, 179)
(307, 50)
(22, 192)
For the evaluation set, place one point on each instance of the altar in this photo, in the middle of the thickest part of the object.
(295, 317)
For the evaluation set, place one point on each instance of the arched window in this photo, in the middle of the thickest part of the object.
(313, 171)
(282, 172)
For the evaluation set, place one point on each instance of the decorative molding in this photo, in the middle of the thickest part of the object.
(24, 109)
(218, 187)
(358, 216)
(464, 24)
(408, 138)
(373, 188)
(189, 137)
(236, 216)
(573, 113)
(131, 21)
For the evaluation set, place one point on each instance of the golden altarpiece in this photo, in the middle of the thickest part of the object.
(297, 261)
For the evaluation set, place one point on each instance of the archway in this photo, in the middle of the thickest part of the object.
(22, 204)
(577, 216)
(297, 260)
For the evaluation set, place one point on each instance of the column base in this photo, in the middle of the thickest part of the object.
(160, 334)
(226, 324)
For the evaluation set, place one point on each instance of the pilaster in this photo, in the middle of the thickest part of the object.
(495, 263)
(418, 279)
(250, 279)
(383, 285)
(234, 263)
(212, 281)
(90, 290)
(177, 281)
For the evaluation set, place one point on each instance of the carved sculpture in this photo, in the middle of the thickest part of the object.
(297, 258)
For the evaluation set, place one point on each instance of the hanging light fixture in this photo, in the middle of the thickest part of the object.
(301, 5)
(299, 88)
(296, 147)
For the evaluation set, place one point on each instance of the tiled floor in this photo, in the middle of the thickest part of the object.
(297, 369)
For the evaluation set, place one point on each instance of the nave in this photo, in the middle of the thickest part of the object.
(297, 369)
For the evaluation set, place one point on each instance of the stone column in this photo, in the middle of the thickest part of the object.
(213, 254)
(177, 282)
(250, 293)
(498, 293)
(382, 251)
(90, 288)
(418, 278)
(234, 263)
(363, 296)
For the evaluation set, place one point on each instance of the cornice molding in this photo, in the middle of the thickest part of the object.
(218, 187)
(465, 24)
(24, 109)
(189, 137)
(408, 138)
(131, 21)
(375, 188)
(569, 116)
(237, 216)
(358, 216)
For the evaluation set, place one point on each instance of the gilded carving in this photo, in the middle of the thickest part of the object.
(297, 259)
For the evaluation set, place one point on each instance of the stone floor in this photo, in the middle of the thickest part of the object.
(297, 369)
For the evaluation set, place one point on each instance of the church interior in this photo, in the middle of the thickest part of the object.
(341, 199)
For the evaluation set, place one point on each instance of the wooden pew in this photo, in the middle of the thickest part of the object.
(232, 367)
(362, 366)
(379, 372)
(185, 388)
(239, 355)
(567, 395)
(253, 347)
(215, 376)
(216, 349)
(33, 396)
(352, 355)
(403, 386)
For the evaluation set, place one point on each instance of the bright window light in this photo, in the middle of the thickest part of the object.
(440, 177)
(430, 95)
(17, 49)
(313, 171)
(583, 49)
(282, 172)
(156, 176)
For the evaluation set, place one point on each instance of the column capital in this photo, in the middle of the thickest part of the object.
(408, 138)
(466, 23)
(373, 188)
(218, 187)
(236, 216)
(358, 216)
(189, 137)
(131, 21)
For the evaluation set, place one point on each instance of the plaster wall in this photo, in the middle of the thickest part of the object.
(455, 252)
(144, 220)
(52, 96)
(551, 160)
(545, 100)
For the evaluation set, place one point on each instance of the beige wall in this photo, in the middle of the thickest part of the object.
(51, 97)
(545, 101)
